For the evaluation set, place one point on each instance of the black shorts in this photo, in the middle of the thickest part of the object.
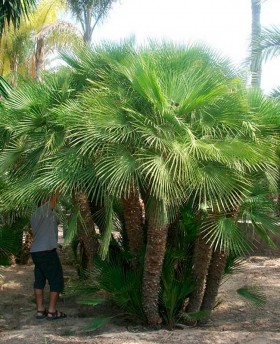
(48, 268)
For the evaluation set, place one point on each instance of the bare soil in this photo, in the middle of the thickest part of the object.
(233, 321)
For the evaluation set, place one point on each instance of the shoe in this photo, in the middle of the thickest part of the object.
(56, 315)
(41, 314)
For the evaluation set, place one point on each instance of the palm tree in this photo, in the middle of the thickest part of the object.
(89, 13)
(13, 12)
(162, 126)
(51, 37)
(24, 50)
(139, 132)
(255, 59)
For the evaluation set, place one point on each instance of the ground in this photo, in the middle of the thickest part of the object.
(234, 321)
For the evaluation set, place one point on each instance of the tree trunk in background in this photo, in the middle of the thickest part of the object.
(256, 64)
(26, 246)
(201, 260)
(133, 211)
(155, 252)
(87, 35)
(14, 69)
(214, 278)
(86, 232)
(39, 57)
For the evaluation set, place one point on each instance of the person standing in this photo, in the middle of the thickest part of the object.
(47, 265)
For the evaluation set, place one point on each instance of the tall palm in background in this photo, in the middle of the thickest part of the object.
(89, 13)
(255, 59)
(270, 48)
(24, 50)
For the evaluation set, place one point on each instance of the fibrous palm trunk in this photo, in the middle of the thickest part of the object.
(86, 231)
(133, 211)
(155, 252)
(214, 277)
(25, 252)
(201, 260)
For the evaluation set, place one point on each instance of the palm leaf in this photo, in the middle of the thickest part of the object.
(92, 302)
(224, 234)
(71, 227)
(253, 294)
(5, 87)
(195, 315)
(270, 42)
(14, 11)
(97, 323)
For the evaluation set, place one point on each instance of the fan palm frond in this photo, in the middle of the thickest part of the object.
(5, 87)
(224, 234)
(253, 294)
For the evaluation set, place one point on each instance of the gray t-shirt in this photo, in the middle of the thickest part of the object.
(44, 227)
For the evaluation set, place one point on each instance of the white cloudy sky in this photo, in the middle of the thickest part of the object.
(224, 24)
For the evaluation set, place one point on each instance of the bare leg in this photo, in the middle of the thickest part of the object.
(53, 313)
(53, 301)
(39, 296)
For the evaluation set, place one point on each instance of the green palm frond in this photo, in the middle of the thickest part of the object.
(259, 211)
(270, 42)
(224, 234)
(219, 187)
(177, 285)
(5, 87)
(234, 265)
(13, 11)
(265, 111)
(276, 93)
(97, 323)
(108, 228)
(254, 295)
(118, 171)
(11, 238)
(123, 286)
(71, 227)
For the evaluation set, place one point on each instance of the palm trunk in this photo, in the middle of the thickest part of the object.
(14, 69)
(25, 252)
(87, 29)
(256, 64)
(201, 261)
(133, 217)
(39, 57)
(215, 275)
(86, 231)
(155, 252)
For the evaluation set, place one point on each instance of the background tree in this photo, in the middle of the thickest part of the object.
(270, 42)
(89, 13)
(24, 50)
(13, 12)
(255, 59)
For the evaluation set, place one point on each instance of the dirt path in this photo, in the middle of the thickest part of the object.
(234, 321)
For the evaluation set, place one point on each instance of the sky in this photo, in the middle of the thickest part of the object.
(222, 24)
